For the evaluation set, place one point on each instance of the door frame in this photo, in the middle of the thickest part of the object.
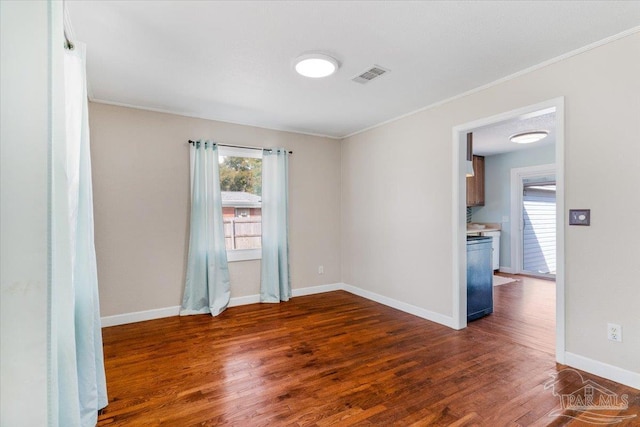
(459, 268)
(517, 188)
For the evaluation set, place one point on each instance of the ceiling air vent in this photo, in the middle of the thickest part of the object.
(370, 74)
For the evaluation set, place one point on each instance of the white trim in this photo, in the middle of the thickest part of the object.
(245, 300)
(516, 208)
(459, 300)
(560, 288)
(622, 376)
(204, 117)
(507, 270)
(236, 255)
(459, 232)
(517, 74)
(604, 370)
(140, 316)
(299, 292)
(402, 306)
(159, 313)
(253, 153)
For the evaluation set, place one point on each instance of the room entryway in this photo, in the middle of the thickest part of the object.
(525, 211)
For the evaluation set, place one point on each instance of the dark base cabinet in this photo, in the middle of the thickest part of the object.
(479, 277)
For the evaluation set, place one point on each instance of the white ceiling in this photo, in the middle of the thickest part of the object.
(232, 61)
(494, 139)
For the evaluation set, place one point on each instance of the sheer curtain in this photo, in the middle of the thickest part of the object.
(207, 287)
(275, 283)
(77, 354)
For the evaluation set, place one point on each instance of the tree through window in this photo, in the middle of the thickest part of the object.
(241, 188)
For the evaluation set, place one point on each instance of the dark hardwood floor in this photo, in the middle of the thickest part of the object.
(338, 359)
(524, 312)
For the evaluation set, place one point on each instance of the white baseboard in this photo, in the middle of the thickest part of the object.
(297, 292)
(140, 316)
(246, 300)
(317, 289)
(507, 270)
(402, 306)
(159, 313)
(614, 373)
(601, 369)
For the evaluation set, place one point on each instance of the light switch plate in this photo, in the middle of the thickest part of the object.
(579, 216)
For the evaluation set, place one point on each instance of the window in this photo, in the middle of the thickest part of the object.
(241, 188)
(243, 212)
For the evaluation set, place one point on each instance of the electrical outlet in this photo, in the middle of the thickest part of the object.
(614, 332)
(321, 269)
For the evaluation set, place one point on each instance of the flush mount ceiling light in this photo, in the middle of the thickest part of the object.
(529, 137)
(316, 65)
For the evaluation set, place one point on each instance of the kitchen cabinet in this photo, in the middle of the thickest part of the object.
(475, 183)
(495, 247)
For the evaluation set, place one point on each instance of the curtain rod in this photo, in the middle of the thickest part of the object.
(240, 146)
(67, 43)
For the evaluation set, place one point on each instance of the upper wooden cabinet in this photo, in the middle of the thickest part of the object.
(475, 183)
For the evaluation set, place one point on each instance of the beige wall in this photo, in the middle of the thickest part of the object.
(141, 192)
(397, 185)
(376, 211)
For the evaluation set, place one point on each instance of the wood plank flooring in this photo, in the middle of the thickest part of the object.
(334, 359)
(524, 312)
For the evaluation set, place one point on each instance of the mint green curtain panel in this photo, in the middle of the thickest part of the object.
(76, 355)
(275, 283)
(207, 287)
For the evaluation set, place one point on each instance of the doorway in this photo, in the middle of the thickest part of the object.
(539, 228)
(533, 234)
(459, 308)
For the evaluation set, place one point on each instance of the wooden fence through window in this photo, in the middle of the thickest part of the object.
(243, 233)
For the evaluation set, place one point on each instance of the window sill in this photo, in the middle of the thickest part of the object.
(244, 255)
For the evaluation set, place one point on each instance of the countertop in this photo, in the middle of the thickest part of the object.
(487, 227)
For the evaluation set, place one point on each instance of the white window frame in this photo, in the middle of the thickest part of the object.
(241, 254)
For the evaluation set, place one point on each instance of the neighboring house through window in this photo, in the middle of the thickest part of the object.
(243, 212)
(241, 188)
